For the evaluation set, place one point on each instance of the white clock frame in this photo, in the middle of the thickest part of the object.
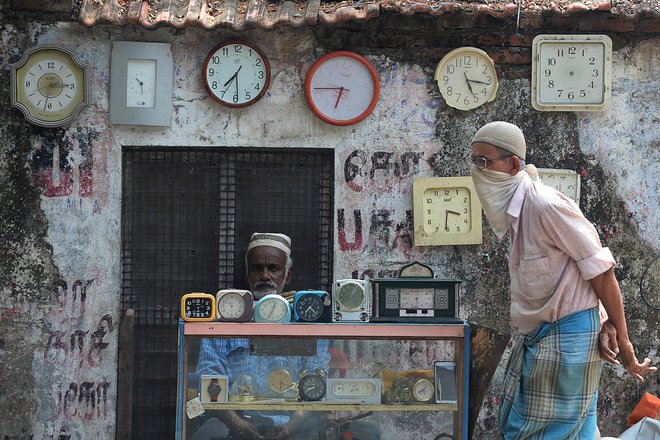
(547, 67)
(127, 56)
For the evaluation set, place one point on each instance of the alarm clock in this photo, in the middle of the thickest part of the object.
(351, 301)
(364, 391)
(415, 299)
(312, 306)
(312, 388)
(272, 308)
(197, 306)
(234, 305)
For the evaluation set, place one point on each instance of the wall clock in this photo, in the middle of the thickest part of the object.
(571, 72)
(236, 74)
(566, 182)
(49, 85)
(342, 88)
(466, 78)
(141, 83)
(446, 211)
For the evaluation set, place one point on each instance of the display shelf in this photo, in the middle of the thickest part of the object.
(393, 355)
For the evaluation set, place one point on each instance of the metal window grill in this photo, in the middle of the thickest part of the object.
(187, 216)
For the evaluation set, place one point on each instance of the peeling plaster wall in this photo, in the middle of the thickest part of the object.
(61, 195)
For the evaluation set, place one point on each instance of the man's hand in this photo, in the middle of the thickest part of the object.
(241, 428)
(609, 350)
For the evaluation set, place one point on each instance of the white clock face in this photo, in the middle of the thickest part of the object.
(231, 306)
(273, 309)
(423, 390)
(49, 86)
(571, 72)
(415, 299)
(467, 78)
(236, 74)
(353, 388)
(447, 211)
(566, 182)
(141, 83)
(342, 88)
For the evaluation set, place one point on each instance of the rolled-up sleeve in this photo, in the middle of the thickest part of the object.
(599, 263)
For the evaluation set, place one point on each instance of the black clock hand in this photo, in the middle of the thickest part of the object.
(235, 75)
(141, 84)
(468, 82)
(478, 82)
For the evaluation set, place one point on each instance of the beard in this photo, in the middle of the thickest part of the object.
(263, 288)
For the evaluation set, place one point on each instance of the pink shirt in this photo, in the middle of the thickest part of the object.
(555, 251)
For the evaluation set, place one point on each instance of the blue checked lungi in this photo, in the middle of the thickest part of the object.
(551, 381)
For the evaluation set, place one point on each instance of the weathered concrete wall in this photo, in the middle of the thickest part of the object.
(60, 192)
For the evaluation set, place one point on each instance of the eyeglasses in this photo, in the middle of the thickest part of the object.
(482, 162)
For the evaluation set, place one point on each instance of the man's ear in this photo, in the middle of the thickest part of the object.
(289, 274)
(515, 165)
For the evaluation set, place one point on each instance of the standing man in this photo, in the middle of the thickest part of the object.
(559, 272)
(269, 268)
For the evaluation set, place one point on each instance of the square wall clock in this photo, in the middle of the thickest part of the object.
(446, 211)
(141, 83)
(571, 72)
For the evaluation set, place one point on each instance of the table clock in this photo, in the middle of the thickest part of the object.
(364, 391)
(272, 308)
(197, 306)
(312, 306)
(415, 299)
(351, 301)
(234, 305)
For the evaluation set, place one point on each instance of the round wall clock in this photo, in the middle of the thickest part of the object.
(467, 78)
(446, 211)
(236, 74)
(342, 88)
(49, 85)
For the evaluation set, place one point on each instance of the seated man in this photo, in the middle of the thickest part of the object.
(268, 269)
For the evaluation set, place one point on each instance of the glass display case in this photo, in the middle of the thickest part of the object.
(322, 381)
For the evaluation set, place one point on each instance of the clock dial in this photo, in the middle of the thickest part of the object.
(467, 78)
(350, 296)
(272, 308)
(197, 307)
(566, 182)
(342, 88)
(571, 72)
(311, 388)
(354, 388)
(141, 83)
(280, 381)
(447, 210)
(423, 390)
(416, 299)
(231, 306)
(236, 74)
(49, 86)
(309, 307)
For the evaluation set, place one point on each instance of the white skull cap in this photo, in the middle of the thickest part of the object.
(280, 241)
(504, 135)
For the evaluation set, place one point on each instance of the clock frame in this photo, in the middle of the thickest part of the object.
(223, 79)
(198, 307)
(141, 83)
(49, 85)
(467, 78)
(571, 72)
(342, 88)
(446, 211)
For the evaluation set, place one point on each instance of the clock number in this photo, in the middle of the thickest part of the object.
(559, 93)
(450, 69)
(547, 72)
(261, 74)
(551, 84)
(247, 96)
(583, 93)
(446, 192)
(449, 91)
(428, 211)
(485, 72)
(458, 229)
(211, 72)
(258, 63)
(572, 50)
(235, 98)
(238, 48)
(429, 201)
(560, 53)
(445, 79)
(595, 73)
(73, 86)
(552, 61)
(467, 60)
(257, 86)
(466, 101)
(571, 95)
(428, 222)
(50, 65)
(225, 51)
(591, 85)
(27, 84)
